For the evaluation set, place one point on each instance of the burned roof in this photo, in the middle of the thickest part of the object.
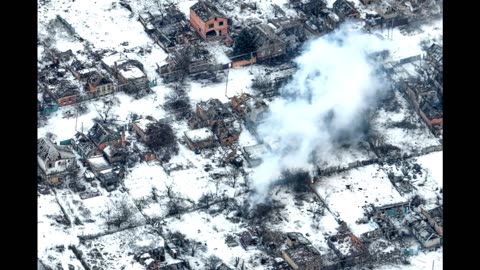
(100, 134)
(299, 238)
(264, 34)
(48, 151)
(214, 109)
(206, 10)
(303, 255)
(97, 79)
(344, 8)
(83, 144)
(435, 52)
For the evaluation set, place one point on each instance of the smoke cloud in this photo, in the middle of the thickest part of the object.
(334, 85)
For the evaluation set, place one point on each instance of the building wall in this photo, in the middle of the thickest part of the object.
(66, 100)
(229, 140)
(140, 132)
(198, 145)
(240, 63)
(202, 27)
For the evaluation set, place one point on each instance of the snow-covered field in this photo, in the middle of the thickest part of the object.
(403, 127)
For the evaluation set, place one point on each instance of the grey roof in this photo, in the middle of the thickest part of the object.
(206, 10)
(296, 236)
(48, 151)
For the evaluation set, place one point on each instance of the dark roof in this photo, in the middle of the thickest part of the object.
(344, 8)
(206, 10)
(100, 134)
(298, 237)
(303, 254)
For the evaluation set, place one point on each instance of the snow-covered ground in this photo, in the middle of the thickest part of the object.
(414, 135)
(108, 25)
(348, 192)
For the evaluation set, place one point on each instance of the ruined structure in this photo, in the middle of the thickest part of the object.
(54, 161)
(208, 21)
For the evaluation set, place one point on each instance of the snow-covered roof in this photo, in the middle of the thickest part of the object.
(198, 135)
(98, 163)
(143, 123)
(254, 152)
(48, 151)
(132, 72)
(110, 60)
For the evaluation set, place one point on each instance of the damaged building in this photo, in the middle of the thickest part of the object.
(103, 171)
(84, 146)
(199, 138)
(267, 42)
(348, 248)
(168, 27)
(424, 233)
(345, 10)
(55, 161)
(253, 154)
(102, 136)
(303, 257)
(208, 21)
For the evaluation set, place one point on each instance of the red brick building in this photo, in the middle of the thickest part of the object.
(208, 21)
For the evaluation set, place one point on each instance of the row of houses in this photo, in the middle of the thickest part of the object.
(100, 149)
(65, 79)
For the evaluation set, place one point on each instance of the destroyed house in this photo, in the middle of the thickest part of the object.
(348, 248)
(291, 31)
(103, 171)
(115, 153)
(211, 111)
(84, 146)
(169, 27)
(99, 84)
(386, 11)
(434, 218)
(140, 127)
(103, 136)
(199, 138)
(54, 160)
(83, 74)
(425, 234)
(303, 258)
(345, 10)
(208, 21)
(253, 154)
(249, 238)
(435, 56)
(64, 92)
(227, 132)
(130, 74)
(295, 239)
(268, 44)
(256, 112)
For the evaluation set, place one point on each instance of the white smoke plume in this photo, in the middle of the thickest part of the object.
(334, 85)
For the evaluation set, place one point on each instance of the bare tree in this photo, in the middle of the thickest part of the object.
(154, 194)
(206, 199)
(212, 263)
(118, 216)
(169, 190)
(107, 215)
(105, 112)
